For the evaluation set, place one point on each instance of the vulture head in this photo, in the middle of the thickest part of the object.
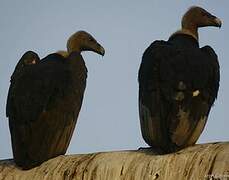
(83, 41)
(197, 17)
(194, 18)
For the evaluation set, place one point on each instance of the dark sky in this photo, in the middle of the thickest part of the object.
(109, 117)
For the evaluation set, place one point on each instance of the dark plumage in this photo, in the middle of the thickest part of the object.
(29, 58)
(44, 101)
(178, 84)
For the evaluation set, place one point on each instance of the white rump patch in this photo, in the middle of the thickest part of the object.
(195, 93)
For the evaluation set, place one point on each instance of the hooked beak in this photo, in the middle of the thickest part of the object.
(100, 50)
(95, 47)
(218, 22)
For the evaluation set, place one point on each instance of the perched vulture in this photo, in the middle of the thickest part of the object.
(178, 84)
(44, 100)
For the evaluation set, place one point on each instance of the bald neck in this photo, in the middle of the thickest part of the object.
(75, 48)
(190, 29)
(188, 25)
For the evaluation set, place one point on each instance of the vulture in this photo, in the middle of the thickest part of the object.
(44, 100)
(178, 84)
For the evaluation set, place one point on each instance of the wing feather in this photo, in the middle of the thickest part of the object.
(172, 113)
(45, 103)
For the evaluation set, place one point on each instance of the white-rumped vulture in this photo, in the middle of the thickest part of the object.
(178, 84)
(44, 100)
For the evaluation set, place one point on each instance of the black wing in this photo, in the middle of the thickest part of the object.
(45, 102)
(29, 58)
(215, 74)
(177, 88)
(32, 88)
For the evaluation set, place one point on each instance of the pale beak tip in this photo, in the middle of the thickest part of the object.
(102, 50)
(218, 22)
